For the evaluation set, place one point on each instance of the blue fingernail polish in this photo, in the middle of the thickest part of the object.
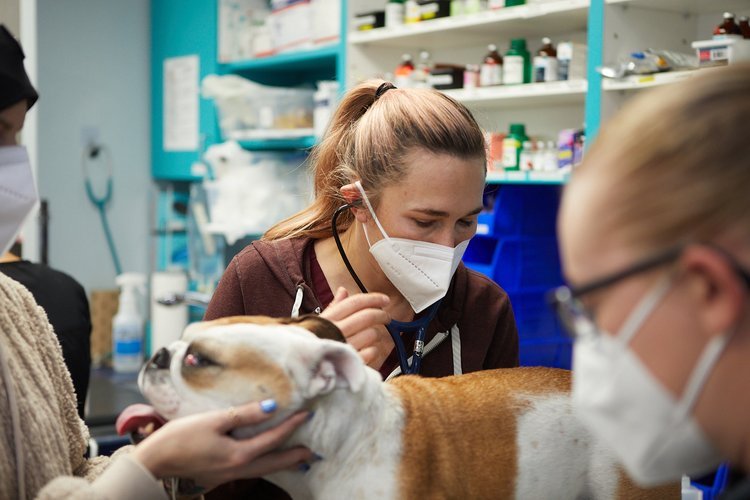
(310, 416)
(316, 457)
(303, 467)
(268, 405)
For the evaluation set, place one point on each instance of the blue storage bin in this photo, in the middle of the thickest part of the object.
(523, 210)
(553, 352)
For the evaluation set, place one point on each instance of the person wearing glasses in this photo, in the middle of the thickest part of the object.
(654, 231)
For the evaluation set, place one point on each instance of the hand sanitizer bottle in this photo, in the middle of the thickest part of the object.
(127, 325)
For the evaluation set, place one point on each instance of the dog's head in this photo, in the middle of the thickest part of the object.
(231, 361)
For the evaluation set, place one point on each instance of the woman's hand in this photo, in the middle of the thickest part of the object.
(200, 448)
(361, 319)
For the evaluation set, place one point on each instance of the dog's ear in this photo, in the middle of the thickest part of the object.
(332, 365)
(321, 327)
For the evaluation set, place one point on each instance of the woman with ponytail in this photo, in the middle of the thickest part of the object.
(400, 174)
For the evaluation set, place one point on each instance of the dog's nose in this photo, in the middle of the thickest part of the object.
(161, 359)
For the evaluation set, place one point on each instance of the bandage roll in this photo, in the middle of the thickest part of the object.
(167, 322)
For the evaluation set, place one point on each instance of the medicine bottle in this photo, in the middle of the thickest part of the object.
(745, 27)
(422, 71)
(517, 63)
(403, 76)
(545, 62)
(412, 12)
(471, 76)
(512, 145)
(728, 26)
(491, 70)
(394, 13)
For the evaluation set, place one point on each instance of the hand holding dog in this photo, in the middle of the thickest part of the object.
(360, 318)
(200, 448)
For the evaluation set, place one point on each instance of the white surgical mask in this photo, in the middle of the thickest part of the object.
(655, 436)
(18, 194)
(421, 271)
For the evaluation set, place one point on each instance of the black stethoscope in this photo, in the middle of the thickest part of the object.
(395, 328)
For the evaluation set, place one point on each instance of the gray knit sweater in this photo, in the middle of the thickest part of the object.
(53, 436)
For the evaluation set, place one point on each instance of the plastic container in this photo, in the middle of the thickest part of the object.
(127, 325)
(394, 13)
(369, 20)
(471, 76)
(412, 12)
(513, 3)
(404, 74)
(434, 9)
(517, 63)
(512, 145)
(690, 492)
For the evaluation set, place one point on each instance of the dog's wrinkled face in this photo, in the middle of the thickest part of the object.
(232, 361)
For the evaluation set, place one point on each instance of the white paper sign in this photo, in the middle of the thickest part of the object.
(181, 112)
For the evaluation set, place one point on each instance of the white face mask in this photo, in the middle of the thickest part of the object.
(421, 271)
(656, 437)
(18, 194)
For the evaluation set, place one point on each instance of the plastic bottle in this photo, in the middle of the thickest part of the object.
(412, 12)
(513, 3)
(491, 70)
(728, 27)
(549, 161)
(690, 492)
(526, 159)
(404, 72)
(421, 75)
(545, 62)
(394, 13)
(517, 63)
(471, 76)
(745, 27)
(127, 325)
(512, 146)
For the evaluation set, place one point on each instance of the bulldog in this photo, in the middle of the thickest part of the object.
(506, 433)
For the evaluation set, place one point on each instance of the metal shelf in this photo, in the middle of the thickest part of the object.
(530, 20)
(520, 96)
(300, 59)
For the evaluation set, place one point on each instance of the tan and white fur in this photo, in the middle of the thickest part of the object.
(506, 433)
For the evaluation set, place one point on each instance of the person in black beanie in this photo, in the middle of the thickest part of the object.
(60, 295)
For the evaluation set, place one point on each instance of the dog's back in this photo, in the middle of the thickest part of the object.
(507, 433)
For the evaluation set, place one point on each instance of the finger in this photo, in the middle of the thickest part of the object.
(239, 416)
(362, 320)
(354, 303)
(368, 354)
(341, 294)
(362, 339)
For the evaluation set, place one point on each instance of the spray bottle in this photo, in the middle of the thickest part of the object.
(127, 325)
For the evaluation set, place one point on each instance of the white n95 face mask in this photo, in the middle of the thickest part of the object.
(655, 436)
(421, 271)
(18, 194)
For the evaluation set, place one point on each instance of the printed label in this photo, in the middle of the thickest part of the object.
(510, 153)
(129, 346)
(513, 70)
(440, 80)
(490, 74)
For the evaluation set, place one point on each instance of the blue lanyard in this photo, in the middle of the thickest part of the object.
(395, 328)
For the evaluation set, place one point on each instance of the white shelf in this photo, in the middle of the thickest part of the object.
(637, 82)
(519, 96)
(686, 6)
(529, 21)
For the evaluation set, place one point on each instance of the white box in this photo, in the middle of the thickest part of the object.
(722, 51)
(291, 25)
(326, 25)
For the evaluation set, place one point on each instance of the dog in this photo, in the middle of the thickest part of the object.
(504, 433)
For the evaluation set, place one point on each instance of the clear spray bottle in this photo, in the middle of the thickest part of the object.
(127, 325)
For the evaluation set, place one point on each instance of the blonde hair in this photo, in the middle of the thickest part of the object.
(368, 140)
(675, 163)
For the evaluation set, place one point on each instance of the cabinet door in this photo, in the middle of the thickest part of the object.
(181, 28)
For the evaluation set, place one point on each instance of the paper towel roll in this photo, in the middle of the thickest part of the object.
(167, 322)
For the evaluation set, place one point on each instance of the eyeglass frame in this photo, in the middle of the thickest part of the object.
(568, 297)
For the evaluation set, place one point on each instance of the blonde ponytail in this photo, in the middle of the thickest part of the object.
(367, 140)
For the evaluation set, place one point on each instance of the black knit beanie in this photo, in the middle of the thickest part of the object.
(14, 83)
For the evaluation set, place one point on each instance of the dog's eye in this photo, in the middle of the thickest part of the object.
(196, 360)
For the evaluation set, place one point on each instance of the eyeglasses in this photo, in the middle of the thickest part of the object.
(578, 320)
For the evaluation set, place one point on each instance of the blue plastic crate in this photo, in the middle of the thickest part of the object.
(522, 210)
